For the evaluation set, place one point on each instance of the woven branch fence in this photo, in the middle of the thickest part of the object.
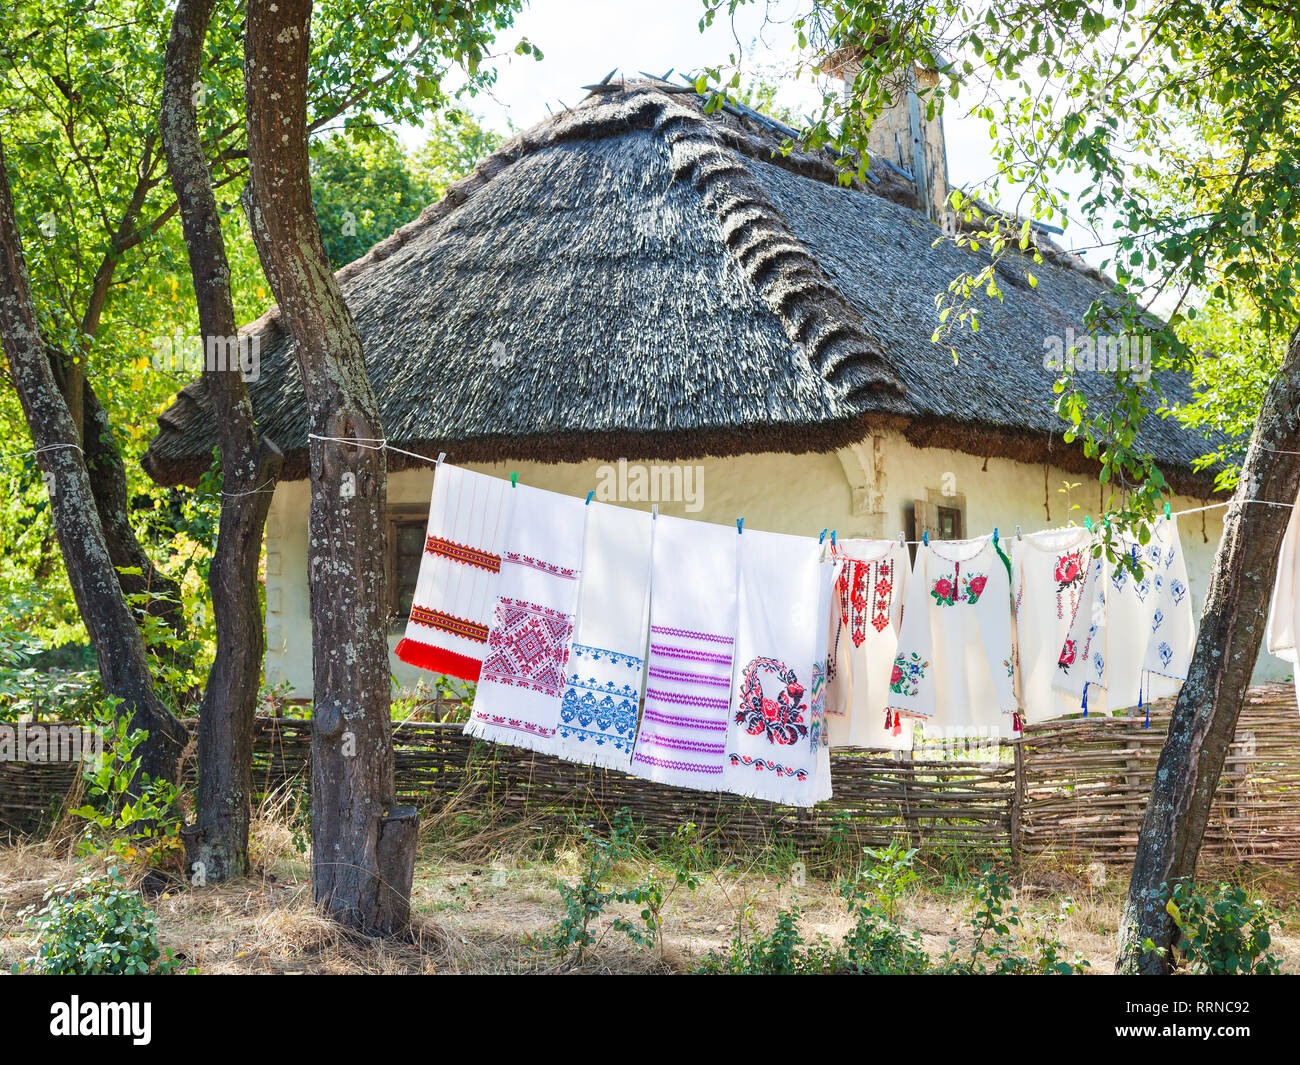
(1076, 787)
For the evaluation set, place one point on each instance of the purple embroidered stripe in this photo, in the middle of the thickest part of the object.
(683, 721)
(688, 634)
(698, 746)
(680, 767)
(678, 677)
(686, 700)
(668, 651)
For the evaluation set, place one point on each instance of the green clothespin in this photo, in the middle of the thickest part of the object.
(1166, 512)
(1087, 523)
(514, 479)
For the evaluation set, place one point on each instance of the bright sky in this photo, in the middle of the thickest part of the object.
(582, 40)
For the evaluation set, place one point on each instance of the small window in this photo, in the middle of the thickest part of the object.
(949, 523)
(405, 549)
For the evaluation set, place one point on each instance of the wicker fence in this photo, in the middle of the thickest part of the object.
(1076, 787)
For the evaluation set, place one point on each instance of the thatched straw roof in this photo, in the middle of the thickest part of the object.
(636, 278)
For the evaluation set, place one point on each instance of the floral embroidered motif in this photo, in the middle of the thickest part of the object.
(949, 591)
(1166, 654)
(781, 719)
(907, 674)
(1178, 590)
(1067, 657)
(604, 713)
(544, 567)
(1069, 580)
(527, 646)
(762, 764)
(1157, 619)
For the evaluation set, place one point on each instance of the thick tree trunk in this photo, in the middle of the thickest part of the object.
(363, 848)
(123, 664)
(217, 842)
(1205, 716)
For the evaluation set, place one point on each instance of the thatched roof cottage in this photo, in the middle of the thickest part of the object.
(641, 298)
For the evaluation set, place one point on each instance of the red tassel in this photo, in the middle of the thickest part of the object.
(889, 720)
(437, 659)
(1016, 724)
(898, 724)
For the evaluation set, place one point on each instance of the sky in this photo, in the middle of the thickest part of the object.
(582, 40)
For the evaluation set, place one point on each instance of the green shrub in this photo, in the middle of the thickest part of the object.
(1222, 934)
(99, 927)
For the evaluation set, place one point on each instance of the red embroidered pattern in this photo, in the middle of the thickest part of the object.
(1068, 575)
(866, 590)
(528, 646)
(537, 564)
(471, 556)
(436, 619)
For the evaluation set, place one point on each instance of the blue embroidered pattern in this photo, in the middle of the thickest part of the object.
(602, 712)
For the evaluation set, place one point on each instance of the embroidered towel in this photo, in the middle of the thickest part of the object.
(954, 662)
(1284, 610)
(520, 684)
(688, 669)
(868, 609)
(598, 712)
(770, 739)
(1048, 574)
(821, 739)
(456, 589)
(1134, 637)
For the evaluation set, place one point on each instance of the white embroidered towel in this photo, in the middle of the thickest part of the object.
(954, 662)
(828, 571)
(1137, 636)
(602, 692)
(519, 688)
(456, 590)
(1284, 610)
(770, 751)
(868, 610)
(688, 669)
(1048, 575)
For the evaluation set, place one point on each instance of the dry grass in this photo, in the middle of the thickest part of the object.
(484, 888)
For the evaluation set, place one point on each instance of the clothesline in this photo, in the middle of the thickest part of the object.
(381, 444)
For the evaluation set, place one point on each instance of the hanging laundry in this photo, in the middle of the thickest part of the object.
(867, 609)
(1133, 637)
(599, 708)
(523, 674)
(773, 737)
(1049, 572)
(954, 664)
(821, 738)
(688, 670)
(1284, 609)
(456, 589)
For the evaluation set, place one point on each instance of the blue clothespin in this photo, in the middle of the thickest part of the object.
(740, 525)
(822, 539)
(925, 538)
(832, 538)
(589, 496)
(514, 479)
(995, 536)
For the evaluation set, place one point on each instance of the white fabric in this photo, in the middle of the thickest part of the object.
(1284, 610)
(598, 712)
(821, 738)
(867, 609)
(456, 588)
(771, 753)
(688, 669)
(1048, 576)
(519, 688)
(1133, 638)
(954, 667)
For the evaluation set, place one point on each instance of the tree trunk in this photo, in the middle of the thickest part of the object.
(217, 842)
(362, 851)
(1205, 716)
(123, 664)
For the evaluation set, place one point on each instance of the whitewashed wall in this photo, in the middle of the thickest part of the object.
(864, 491)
